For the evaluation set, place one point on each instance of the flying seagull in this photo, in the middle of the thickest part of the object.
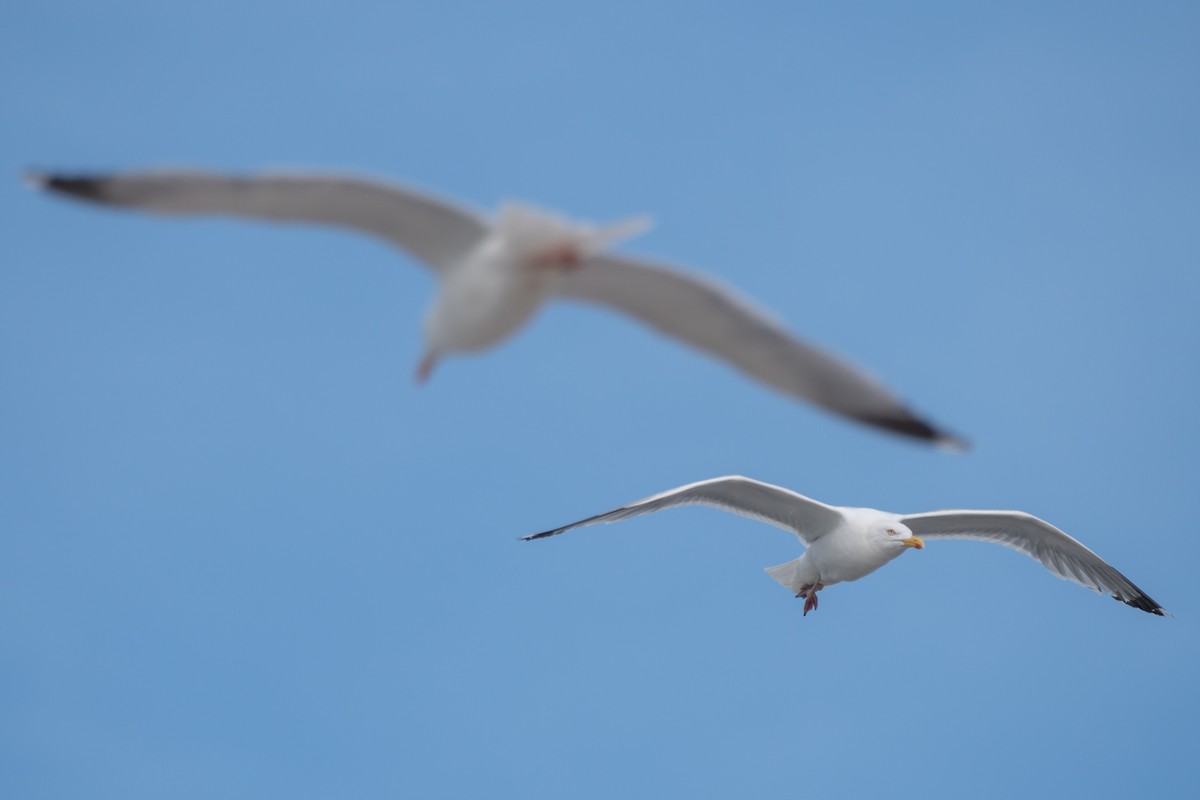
(844, 543)
(495, 273)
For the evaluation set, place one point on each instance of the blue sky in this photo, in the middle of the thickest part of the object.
(243, 555)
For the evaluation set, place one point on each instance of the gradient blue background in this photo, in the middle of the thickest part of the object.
(242, 555)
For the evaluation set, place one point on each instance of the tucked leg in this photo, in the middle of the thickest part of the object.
(425, 368)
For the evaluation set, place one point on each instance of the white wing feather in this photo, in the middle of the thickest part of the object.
(774, 505)
(714, 318)
(435, 231)
(1063, 555)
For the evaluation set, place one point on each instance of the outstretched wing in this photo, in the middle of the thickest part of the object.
(436, 232)
(775, 505)
(713, 318)
(1063, 555)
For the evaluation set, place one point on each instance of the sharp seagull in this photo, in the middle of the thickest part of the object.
(844, 543)
(495, 274)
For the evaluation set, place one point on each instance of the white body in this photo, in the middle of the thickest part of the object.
(484, 299)
(488, 295)
(844, 554)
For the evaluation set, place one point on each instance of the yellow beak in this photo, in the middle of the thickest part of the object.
(913, 541)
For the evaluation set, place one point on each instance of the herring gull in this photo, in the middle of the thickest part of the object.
(495, 274)
(843, 543)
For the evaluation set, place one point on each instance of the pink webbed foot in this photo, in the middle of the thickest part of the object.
(810, 603)
(809, 592)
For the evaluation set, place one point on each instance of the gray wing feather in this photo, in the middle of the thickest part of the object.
(433, 230)
(774, 505)
(715, 319)
(1063, 555)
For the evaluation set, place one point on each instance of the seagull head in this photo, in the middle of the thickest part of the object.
(899, 536)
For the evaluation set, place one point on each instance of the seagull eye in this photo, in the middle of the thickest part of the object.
(891, 532)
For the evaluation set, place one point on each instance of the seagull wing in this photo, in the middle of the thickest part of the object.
(774, 505)
(436, 232)
(713, 318)
(1063, 555)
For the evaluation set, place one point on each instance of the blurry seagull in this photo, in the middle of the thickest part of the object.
(845, 544)
(494, 274)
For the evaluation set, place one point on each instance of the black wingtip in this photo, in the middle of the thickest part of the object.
(916, 428)
(84, 187)
(1144, 603)
(541, 535)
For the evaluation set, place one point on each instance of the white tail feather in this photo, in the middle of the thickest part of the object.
(608, 235)
(788, 575)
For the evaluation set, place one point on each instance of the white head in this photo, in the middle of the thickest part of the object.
(896, 537)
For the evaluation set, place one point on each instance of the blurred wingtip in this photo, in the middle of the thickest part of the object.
(84, 187)
(35, 179)
(951, 443)
(913, 427)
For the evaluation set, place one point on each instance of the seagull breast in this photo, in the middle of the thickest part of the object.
(502, 282)
(484, 299)
(848, 552)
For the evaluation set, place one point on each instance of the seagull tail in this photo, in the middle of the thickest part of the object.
(790, 575)
(613, 233)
